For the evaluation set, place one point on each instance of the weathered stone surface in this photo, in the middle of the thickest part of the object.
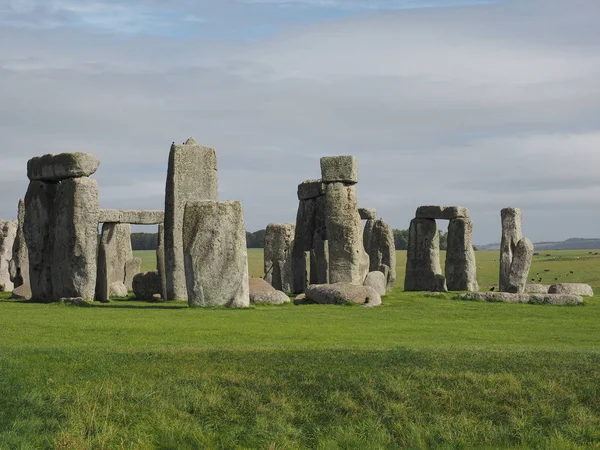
(442, 212)
(114, 250)
(342, 169)
(130, 216)
(572, 288)
(546, 299)
(367, 213)
(259, 285)
(8, 233)
(271, 298)
(348, 260)
(461, 268)
(74, 252)
(117, 289)
(62, 166)
(310, 189)
(19, 264)
(380, 246)
(39, 235)
(279, 239)
(216, 259)
(146, 285)
(340, 293)
(75, 301)
(132, 268)
(537, 288)
(319, 252)
(160, 260)
(191, 176)
(519, 269)
(377, 281)
(22, 292)
(511, 235)
(303, 241)
(423, 269)
(300, 299)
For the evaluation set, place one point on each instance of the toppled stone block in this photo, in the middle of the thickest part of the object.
(572, 288)
(8, 233)
(117, 289)
(537, 288)
(367, 213)
(75, 301)
(442, 212)
(310, 189)
(519, 269)
(146, 285)
(543, 299)
(377, 281)
(62, 166)
(270, 298)
(343, 169)
(136, 217)
(23, 292)
(340, 293)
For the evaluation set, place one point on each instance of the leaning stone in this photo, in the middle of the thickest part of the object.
(279, 238)
(271, 298)
(461, 269)
(8, 233)
(216, 259)
(22, 292)
(511, 235)
(537, 288)
(342, 169)
(442, 212)
(546, 299)
(191, 176)
(423, 269)
(146, 285)
(367, 213)
(377, 281)
(380, 246)
(62, 166)
(340, 293)
(114, 250)
(19, 264)
(132, 268)
(572, 288)
(310, 189)
(303, 241)
(118, 289)
(519, 269)
(74, 263)
(137, 217)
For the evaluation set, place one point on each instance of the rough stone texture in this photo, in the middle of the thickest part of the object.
(39, 235)
(75, 301)
(319, 254)
(22, 292)
(367, 213)
(259, 285)
(19, 264)
(546, 299)
(216, 259)
(377, 281)
(461, 268)
(380, 246)
(348, 260)
(511, 235)
(572, 288)
(8, 233)
(146, 285)
(519, 269)
(342, 169)
(300, 299)
(137, 217)
(160, 260)
(62, 166)
(310, 189)
(537, 288)
(271, 298)
(279, 238)
(114, 250)
(340, 293)
(191, 176)
(442, 212)
(117, 289)
(74, 252)
(132, 268)
(303, 241)
(423, 269)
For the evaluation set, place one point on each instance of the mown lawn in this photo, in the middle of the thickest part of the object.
(418, 372)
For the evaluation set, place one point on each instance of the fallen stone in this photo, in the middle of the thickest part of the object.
(259, 285)
(132, 268)
(367, 213)
(8, 233)
(511, 235)
(545, 299)
(114, 250)
(461, 268)
(423, 269)
(572, 288)
(377, 281)
(118, 289)
(537, 288)
(22, 292)
(146, 284)
(519, 269)
(442, 212)
(75, 301)
(136, 217)
(343, 169)
(271, 298)
(310, 189)
(341, 293)
(19, 264)
(379, 244)
(300, 299)
(62, 166)
(279, 238)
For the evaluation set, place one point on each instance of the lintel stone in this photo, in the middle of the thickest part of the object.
(442, 212)
(62, 166)
(136, 217)
(310, 189)
(342, 169)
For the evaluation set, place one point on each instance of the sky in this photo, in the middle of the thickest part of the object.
(483, 104)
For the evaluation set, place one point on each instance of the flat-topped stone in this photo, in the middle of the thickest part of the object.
(310, 189)
(339, 169)
(537, 288)
(61, 166)
(545, 299)
(572, 288)
(442, 212)
(340, 293)
(367, 213)
(136, 217)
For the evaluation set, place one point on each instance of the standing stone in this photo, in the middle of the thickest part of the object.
(348, 261)
(279, 238)
(461, 269)
(303, 241)
(114, 251)
(132, 268)
(519, 269)
(191, 176)
(19, 264)
(423, 269)
(160, 260)
(216, 258)
(319, 253)
(380, 245)
(39, 235)
(511, 235)
(75, 229)
(8, 233)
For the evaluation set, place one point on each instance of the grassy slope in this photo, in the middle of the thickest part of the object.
(417, 372)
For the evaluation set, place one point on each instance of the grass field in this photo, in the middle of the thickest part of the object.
(418, 372)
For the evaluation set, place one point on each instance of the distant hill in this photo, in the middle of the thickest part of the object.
(569, 244)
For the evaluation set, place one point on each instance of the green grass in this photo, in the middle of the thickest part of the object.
(418, 372)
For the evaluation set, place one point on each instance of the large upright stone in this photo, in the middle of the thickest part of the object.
(342, 169)
(114, 251)
(75, 229)
(62, 166)
(511, 235)
(19, 264)
(132, 268)
(381, 248)
(8, 233)
(191, 176)
(216, 258)
(38, 228)
(348, 260)
(279, 238)
(519, 269)
(160, 261)
(303, 242)
(461, 268)
(423, 269)
(319, 253)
